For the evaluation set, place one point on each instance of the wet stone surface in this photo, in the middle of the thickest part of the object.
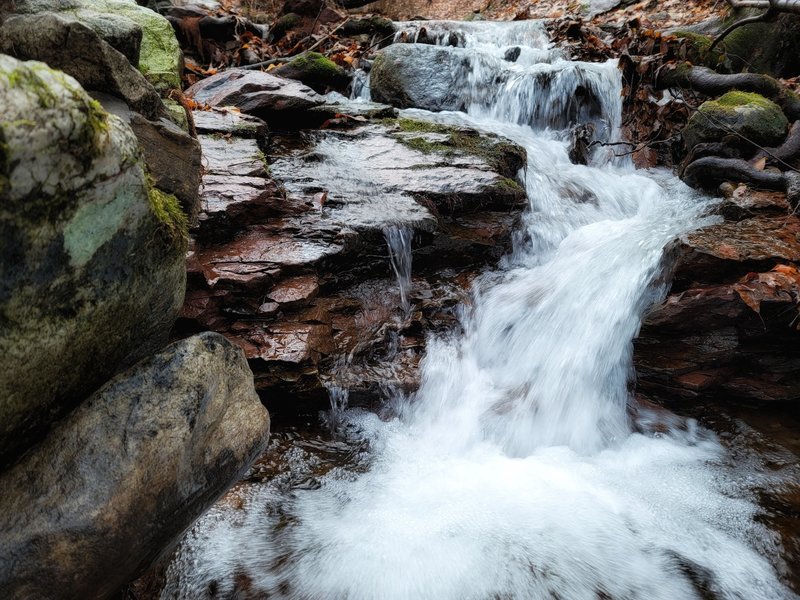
(729, 329)
(290, 258)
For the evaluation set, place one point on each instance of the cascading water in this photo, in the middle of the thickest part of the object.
(398, 240)
(515, 470)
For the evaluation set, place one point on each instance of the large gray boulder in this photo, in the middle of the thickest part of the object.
(439, 78)
(419, 76)
(266, 96)
(120, 479)
(91, 258)
(65, 43)
(156, 52)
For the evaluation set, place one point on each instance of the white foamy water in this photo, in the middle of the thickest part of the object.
(515, 471)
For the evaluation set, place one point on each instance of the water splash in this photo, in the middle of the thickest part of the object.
(398, 240)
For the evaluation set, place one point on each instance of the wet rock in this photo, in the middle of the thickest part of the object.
(751, 117)
(729, 250)
(439, 78)
(230, 123)
(729, 328)
(302, 276)
(159, 58)
(744, 202)
(315, 70)
(348, 113)
(91, 260)
(418, 76)
(737, 340)
(64, 42)
(253, 92)
(118, 481)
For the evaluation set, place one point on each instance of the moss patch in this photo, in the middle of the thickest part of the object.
(755, 119)
(284, 24)
(26, 78)
(168, 211)
(698, 48)
(504, 157)
(316, 71)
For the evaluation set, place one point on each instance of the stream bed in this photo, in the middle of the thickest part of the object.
(522, 467)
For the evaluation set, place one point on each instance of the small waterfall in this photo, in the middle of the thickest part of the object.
(339, 397)
(398, 240)
(514, 471)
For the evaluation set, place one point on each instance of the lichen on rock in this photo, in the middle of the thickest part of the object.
(80, 276)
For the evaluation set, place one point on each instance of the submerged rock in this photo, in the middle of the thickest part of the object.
(91, 259)
(120, 479)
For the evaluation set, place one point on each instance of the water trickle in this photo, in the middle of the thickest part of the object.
(339, 397)
(515, 470)
(398, 239)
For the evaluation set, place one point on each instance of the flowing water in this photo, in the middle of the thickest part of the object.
(398, 239)
(516, 470)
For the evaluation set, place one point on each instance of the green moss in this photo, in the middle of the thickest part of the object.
(316, 65)
(698, 48)
(755, 119)
(26, 78)
(284, 24)
(510, 185)
(504, 157)
(316, 71)
(168, 211)
(736, 98)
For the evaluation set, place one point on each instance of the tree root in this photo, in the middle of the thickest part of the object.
(709, 172)
(711, 83)
(784, 154)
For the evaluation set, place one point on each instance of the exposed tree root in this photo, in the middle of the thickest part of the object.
(784, 154)
(711, 83)
(708, 172)
(773, 8)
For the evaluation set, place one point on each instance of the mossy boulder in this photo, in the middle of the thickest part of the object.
(748, 118)
(91, 264)
(698, 48)
(159, 56)
(66, 43)
(316, 71)
(772, 48)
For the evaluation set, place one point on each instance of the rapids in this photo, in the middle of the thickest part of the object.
(517, 469)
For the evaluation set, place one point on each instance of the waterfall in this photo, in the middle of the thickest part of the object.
(515, 470)
(398, 239)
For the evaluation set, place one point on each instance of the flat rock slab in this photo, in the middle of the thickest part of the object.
(120, 479)
(731, 249)
(400, 176)
(229, 123)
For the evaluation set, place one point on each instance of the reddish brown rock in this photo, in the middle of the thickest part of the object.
(739, 340)
(296, 270)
